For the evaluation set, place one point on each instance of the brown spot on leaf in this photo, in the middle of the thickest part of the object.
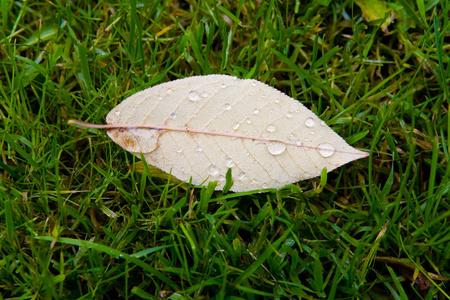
(140, 140)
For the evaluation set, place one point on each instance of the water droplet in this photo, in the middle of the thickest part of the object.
(221, 178)
(276, 148)
(323, 123)
(309, 122)
(312, 133)
(299, 143)
(227, 106)
(264, 185)
(160, 97)
(193, 96)
(117, 112)
(179, 150)
(223, 85)
(247, 154)
(213, 170)
(248, 121)
(289, 114)
(256, 111)
(204, 94)
(229, 163)
(277, 101)
(241, 176)
(253, 83)
(307, 147)
(169, 91)
(271, 128)
(326, 149)
(173, 116)
(236, 126)
(199, 149)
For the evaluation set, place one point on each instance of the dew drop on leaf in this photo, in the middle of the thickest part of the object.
(213, 170)
(229, 163)
(193, 96)
(271, 128)
(276, 148)
(227, 106)
(326, 149)
(199, 149)
(309, 122)
(306, 144)
(241, 176)
(236, 126)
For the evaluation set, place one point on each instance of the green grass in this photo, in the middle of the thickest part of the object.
(77, 219)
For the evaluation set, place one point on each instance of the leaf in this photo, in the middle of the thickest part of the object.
(377, 10)
(411, 271)
(201, 126)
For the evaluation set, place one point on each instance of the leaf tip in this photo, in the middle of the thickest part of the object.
(365, 154)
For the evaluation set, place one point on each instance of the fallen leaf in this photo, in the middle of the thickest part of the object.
(201, 126)
(376, 10)
(411, 272)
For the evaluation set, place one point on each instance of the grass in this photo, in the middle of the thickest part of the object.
(81, 218)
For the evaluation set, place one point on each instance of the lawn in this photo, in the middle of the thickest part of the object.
(81, 218)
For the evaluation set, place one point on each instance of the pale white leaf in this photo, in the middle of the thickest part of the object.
(201, 126)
